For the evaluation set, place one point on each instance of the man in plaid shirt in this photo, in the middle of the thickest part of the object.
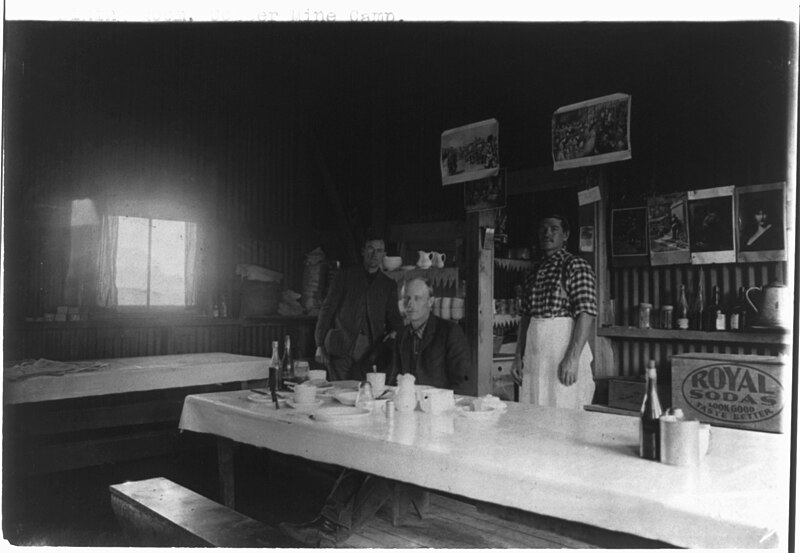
(553, 359)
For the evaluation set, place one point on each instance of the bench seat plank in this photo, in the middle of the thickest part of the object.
(161, 513)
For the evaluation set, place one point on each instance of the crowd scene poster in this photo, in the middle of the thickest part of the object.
(711, 228)
(761, 216)
(487, 193)
(668, 231)
(470, 152)
(592, 132)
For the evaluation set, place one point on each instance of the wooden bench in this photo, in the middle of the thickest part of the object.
(160, 513)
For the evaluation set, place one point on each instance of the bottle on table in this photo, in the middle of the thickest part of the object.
(715, 315)
(697, 312)
(287, 362)
(275, 368)
(682, 316)
(650, 413)
(740, 312)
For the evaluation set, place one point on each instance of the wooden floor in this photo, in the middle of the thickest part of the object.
(453, 524)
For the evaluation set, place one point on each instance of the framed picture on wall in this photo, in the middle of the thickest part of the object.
(711, 228)
(592, 132)
(761, 222)
(487, 193)
(667, 218)
(629, 236)
(470, 152)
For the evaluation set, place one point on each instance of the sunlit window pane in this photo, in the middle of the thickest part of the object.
(168, 263)
(132, 261)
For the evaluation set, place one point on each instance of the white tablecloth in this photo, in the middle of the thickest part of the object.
(575, 465)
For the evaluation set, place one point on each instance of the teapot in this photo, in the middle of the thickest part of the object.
(438, 259)
(425, 259)
(771, 308)
(405, 398)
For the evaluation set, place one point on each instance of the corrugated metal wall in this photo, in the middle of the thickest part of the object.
(659, 286)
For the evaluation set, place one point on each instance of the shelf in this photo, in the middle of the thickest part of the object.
(513, 264)
(633, 333)
(505, 321)
(445, 276)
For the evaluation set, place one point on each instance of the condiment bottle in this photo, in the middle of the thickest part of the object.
(275, 368)
(650, 413)
(287, 363)
(682, 319)
(740, 312)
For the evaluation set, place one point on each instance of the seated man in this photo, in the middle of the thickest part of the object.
(435, 351)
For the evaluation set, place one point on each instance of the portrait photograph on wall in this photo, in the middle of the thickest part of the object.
(761, 222)
(592, 132)
(711, 228)
(470, 152)
(629, 236)
(487, 193)
(668, 231)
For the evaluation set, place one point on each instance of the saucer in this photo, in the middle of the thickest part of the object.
(303, 406)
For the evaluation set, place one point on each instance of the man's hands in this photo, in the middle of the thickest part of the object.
(321, 356)
(516, 370)
(568, 370)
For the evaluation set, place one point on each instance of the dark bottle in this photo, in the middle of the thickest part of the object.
(287, 363)
(715, 315)
(698, 309)
(275, 368)
(649, 435)
(740, 313)
(682, 316)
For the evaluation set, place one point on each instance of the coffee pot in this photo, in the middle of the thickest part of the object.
(425, 259)
(770, 304)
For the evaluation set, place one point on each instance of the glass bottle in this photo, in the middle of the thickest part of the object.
(287, 363)
(650, 413)
(682, 317)
(698, 310)
(740, 312)
(275, 368)
(715, 315)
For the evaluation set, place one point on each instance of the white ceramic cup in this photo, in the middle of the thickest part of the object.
(437, 307)
(378, 382)
(446, 303)
(456, 313)
(317, 374)
(301, 369)
(305, 393)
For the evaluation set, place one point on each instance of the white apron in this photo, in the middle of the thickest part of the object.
(545, 345)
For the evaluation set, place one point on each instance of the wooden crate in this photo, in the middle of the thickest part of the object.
(738, 391)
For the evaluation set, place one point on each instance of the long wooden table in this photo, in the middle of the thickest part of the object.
(575, 465)
(61, 416)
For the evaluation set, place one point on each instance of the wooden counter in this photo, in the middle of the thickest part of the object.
(574, 465)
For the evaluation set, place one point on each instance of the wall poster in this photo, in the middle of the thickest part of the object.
(470, 152)
(711, 229)
(486, 193)
(629, 236)
(592, 132)
(762, 222)
(669, 233)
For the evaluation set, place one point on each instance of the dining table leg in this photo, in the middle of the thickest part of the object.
(225, 460)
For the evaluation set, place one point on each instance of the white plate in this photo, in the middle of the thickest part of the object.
(479, 415)
(260, 398)
(340, 413)
(303, 406)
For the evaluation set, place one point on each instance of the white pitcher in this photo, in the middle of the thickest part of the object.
(438, 259)
(405, 398)
(425, 259)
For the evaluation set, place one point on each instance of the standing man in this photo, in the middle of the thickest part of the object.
(359, 310)
(553, 360)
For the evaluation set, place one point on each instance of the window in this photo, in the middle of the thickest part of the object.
(154, 262)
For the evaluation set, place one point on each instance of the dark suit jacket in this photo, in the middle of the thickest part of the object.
(444, 359)
(342, 314)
